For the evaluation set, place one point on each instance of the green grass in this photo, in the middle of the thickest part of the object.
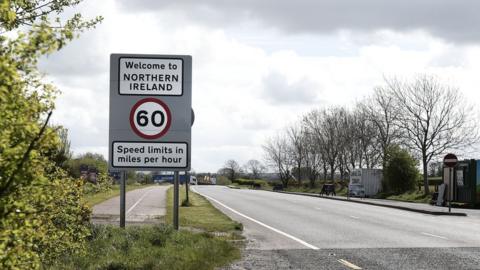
(201, 215)
(93, 199)
(316, 190)
(150, 247)
(411, 196)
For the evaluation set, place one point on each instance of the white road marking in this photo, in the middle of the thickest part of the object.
(137, 202)
(349, 264)
(433, 235)
(354, 217)
(260, 223)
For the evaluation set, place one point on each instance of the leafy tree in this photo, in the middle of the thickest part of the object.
(41, 213)
(255, 168)
(231, 169)
(60, 153)
(87, 160)
(435, 117)
(401, 170)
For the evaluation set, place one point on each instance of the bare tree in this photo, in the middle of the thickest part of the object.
(313, 158)
(277, 156)
(297, 147)
(325, 126)
(231, 169)
(255, 168)
(380, 110)
(434, 117)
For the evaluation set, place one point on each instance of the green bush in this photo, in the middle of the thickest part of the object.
(104, 183)
(223, 180)
(401, 171)
(42, 222)
(250, 182)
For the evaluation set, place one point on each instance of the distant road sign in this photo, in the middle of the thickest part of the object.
(150, 112)
(450, 160)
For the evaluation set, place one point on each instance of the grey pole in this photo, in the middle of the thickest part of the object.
(450, 191)
(123, 176)
(175, 201)
(187, 182)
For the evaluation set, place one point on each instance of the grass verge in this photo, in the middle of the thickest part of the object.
(201, 214)
(411, 196)
(150, 247)
(96, 198)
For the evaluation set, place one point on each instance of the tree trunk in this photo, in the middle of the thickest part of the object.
(332, 171)
(299, 172)
(325, 172)
(425, 175)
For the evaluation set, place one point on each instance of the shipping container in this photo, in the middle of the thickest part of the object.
(369, 179)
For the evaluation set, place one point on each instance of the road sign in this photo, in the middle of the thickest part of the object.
(450, 160)
(150, 118)
(150, 112)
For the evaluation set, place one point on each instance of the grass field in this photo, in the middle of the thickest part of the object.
(411, 196)
(201, 214)
(150, 247)
(93, 199)
(204, 241)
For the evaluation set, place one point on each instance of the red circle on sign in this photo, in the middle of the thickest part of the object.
(450, 160)
(168, 118)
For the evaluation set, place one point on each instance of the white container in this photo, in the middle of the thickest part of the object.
(371, 179)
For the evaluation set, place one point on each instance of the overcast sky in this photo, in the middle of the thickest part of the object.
(258, 65)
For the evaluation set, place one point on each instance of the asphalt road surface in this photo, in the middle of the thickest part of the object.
(287, 231)
(142, 206)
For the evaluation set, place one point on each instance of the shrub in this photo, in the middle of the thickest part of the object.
(104, 183)
(250, 182)
(42, 222)
(401, 171)
(223, 180)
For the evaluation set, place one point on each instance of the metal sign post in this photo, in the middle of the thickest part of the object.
(123, 179)
(175, 200)
(187, 182)
(450, 181)
(450, 161)
(150, 116)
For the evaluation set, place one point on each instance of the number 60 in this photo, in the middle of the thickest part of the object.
(142, 118)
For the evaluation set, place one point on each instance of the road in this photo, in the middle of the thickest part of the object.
(143, 206)
(297, 232)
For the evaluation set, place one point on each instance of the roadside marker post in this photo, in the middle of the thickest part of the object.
(150, 117)
(450, 161)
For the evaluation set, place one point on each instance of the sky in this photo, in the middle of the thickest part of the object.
(259, 65)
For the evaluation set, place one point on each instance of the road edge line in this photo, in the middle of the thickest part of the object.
(428, 212)
(137, 202)
(258, 222)
(349, 264)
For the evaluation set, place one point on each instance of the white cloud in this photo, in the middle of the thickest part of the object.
(248, 83)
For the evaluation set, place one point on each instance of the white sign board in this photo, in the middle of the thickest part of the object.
(150, 112)
(152, 155)
(150, 76)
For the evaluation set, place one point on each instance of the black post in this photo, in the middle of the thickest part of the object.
(187, 181)
(450, 189)
(175, 201)
(123, 176)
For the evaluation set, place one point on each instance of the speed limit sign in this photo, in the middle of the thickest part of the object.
(150, 118)
(150, 112)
